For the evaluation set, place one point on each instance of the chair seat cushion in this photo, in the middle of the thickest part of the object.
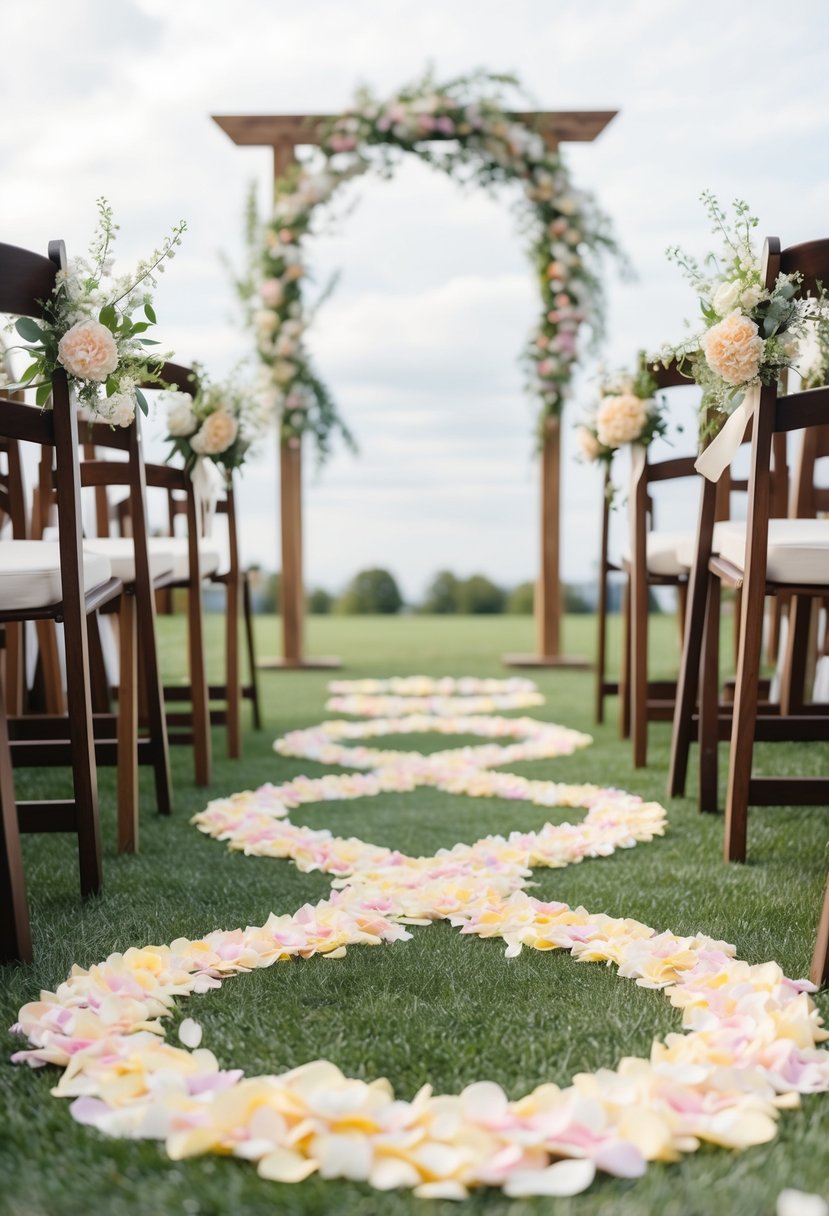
(686, 550)
(30, 574)
(176, 549)
(120, 551)
(798, 550)
(662, 553)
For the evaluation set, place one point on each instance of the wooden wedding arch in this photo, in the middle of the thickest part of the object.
(284, 133)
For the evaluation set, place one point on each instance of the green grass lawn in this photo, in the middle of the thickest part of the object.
(441, 1008)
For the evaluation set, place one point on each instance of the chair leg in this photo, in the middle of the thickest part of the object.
(128, 730)
(98, 680)
(47, 646)
(84, 773)
(624, 673)
(15, 933)
(793, 679)
(601, 647)
(639, 670)
(151, 697)
(709, 699)
(254, 675)
(742, 731)
(15, 667)
(198, 688)
(233, 681)
(820, 961)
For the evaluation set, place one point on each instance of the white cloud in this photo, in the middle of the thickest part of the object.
(420, 340)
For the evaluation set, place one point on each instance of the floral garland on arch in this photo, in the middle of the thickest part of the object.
(748, 1047)
(628, 411)
(463, 128)
(89, 329)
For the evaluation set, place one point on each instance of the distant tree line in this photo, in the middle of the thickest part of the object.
(376, 592)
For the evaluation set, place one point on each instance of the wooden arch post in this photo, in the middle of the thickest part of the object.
(284, 133)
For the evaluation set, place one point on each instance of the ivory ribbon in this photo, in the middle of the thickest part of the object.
(206, 482)
(722, 449)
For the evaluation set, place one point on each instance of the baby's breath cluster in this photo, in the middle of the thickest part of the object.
(463, 127)
(94, 327)
(752, 332)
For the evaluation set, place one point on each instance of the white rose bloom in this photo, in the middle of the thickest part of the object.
(750, 298)
(181, 420)
(122, 406)
(725, 297)
(265, 320)
(285, 346)
(284, 371)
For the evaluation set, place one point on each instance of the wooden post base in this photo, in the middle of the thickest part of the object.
(573, 662)
(327, 662)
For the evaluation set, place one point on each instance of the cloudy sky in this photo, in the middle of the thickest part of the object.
(420, 341)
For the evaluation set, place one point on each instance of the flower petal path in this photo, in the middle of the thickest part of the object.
(749, 1046)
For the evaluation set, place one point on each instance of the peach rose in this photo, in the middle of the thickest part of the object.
(88, 351)
(733, 348)
(217, 434)
(620, 419)
(588, 443)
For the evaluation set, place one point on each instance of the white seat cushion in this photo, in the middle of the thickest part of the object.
(175, 548)
(798, 550)
(662, 553)
(30, 574)
(687, 548)
(121, 554)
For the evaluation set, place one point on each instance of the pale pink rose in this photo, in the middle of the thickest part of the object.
(620, 419)
(342, 143)
(88, 351)
(217, 434)
(272, 293)
(733, 348)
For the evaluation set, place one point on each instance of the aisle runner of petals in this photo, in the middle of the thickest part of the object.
(748, 1050)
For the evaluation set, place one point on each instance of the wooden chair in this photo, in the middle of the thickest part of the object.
(809, 500)
(142, 570)
(605, 687)
(194, 558)
(653, 561)
(57, 581)
(769, 557)
(820, 960)
(230, 694)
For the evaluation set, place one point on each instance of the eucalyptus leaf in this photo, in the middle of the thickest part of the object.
(43, 393)
(149, 313)
(29, 329)
(142, 402)
(109, 317)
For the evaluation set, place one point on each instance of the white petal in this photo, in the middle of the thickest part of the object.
(797, 1203)
(563, 1178)
(189, 1033)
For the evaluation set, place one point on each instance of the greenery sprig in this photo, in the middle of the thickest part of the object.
(94, 326)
